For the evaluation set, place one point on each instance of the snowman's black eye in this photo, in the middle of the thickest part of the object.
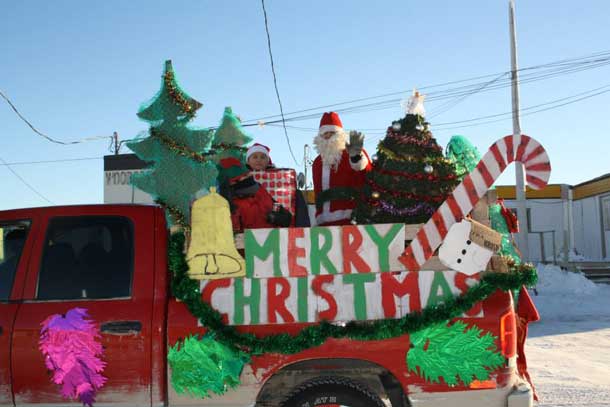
(468, 242)
(459, 261)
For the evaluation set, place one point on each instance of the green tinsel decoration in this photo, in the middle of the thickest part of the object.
(453, 353)
(463, 154)
(498, 223)
(201, 366)
(180, 171)
(187, 291)
(230, 138)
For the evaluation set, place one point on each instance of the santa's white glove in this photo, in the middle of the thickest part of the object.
(356, 143)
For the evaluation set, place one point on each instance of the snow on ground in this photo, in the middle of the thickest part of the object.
(568, 350)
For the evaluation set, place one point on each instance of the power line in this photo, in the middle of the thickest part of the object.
(549, 70)
(477, 119)
(25, 182)
(51, 161)
(277, 93)
(52, 140)
(436, 126)
(529, 113)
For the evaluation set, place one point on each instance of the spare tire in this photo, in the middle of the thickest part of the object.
(333, 391)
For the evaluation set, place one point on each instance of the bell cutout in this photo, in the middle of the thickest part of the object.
(212, 253)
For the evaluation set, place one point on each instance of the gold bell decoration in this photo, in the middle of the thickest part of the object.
(212, 253)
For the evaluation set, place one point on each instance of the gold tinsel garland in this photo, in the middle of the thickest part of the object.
(178, 148)
(176, 214)
(177, 96)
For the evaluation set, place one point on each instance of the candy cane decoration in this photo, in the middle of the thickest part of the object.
(461, 201)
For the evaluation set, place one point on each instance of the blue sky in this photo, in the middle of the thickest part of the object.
(80, 69)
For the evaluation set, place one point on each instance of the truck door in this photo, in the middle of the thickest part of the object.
(101, 259)
(13, 258)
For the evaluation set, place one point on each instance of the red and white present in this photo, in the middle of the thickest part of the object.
(281, 184)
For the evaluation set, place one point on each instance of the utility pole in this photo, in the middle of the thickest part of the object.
(305, 162)
(117, 147)
(522, 241)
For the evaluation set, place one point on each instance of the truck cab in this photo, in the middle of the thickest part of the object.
(112, 260)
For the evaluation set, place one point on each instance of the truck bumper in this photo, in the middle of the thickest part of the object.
(517, 395)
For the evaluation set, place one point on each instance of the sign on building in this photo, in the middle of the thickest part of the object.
(118, 170)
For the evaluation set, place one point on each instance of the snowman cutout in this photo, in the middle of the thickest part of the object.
(468, 247)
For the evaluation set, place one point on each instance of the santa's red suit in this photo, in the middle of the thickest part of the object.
(346, 173)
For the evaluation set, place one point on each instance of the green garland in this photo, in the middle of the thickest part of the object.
(453, 353)
(187, 291)
(201, 366)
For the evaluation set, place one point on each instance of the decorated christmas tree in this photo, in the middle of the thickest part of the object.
(411, 178)
(182, 166)
(230, 138)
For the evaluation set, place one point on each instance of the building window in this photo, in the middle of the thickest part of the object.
(87, 257)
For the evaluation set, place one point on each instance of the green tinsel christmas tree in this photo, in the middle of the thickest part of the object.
(463, 154)
(230, 138)
(453, 353)
(182, 168)
(201, 366)
(410, 178)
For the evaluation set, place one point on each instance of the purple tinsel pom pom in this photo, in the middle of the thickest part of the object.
(72, 352)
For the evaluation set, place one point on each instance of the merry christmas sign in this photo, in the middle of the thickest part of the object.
(337, 273)
(298, 252)
(346, 297)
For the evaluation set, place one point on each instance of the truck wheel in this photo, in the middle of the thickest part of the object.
(331, 391)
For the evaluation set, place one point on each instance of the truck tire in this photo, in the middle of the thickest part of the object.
(331, 391)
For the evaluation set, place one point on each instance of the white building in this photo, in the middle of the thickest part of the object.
(567, 222)
(117, 179)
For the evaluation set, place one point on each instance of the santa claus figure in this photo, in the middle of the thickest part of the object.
(338, 171)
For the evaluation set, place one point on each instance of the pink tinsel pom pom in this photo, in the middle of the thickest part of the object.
(72, 352)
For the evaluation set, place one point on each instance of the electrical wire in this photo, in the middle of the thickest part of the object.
(52, 140)
(452, 103)
(25, 182)
(547, 71)
(477, 120)
(277, 93)
(51, 161)
(527, 113)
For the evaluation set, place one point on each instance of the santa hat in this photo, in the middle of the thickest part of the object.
(258, 148)
(330, 122)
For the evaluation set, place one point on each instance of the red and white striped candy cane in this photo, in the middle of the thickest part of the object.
(461, 201)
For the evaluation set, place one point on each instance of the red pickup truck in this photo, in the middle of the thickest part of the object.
(112, 260)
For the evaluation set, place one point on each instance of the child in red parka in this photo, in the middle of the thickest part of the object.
(252, 207)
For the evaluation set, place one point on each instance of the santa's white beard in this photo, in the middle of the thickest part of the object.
(331, 150)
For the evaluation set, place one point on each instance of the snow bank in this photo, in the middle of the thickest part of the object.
(553, 280)
(565, 295)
